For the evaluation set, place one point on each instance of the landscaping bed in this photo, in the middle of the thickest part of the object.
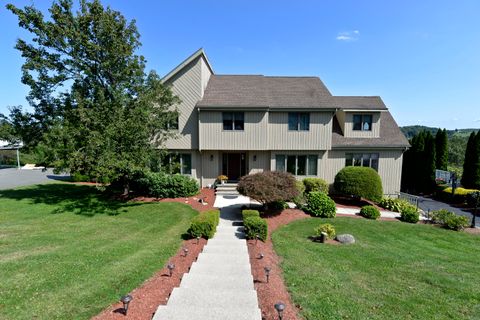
(69, 251)
(394, 270)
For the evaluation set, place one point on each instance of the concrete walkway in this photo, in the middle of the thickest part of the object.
(383, 213)
(219, 285)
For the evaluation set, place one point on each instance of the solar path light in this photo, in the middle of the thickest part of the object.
(126, 301)
(185, 252)
(280, 307)
(267, 272)
(170, 268)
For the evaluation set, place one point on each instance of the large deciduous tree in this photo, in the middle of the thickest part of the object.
(95, 109)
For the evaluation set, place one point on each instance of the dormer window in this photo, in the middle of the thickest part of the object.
(362, 122)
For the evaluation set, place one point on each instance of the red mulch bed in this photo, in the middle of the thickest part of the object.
(208, 196)
(157, 289)
(275, 290)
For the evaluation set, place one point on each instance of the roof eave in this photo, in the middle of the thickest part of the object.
(199, 53)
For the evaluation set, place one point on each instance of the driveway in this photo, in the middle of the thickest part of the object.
(12, 177)
(429, 204)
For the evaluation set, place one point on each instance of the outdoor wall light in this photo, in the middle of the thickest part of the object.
(211, 157)
(170, 268)
(126, 301)
(280, 307)
(267, 272)
(185, 252)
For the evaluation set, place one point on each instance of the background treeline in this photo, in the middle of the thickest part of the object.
(453, 150)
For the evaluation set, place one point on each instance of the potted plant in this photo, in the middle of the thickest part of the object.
(222, 178)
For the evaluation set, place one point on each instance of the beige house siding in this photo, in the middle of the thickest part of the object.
(188, 84)
(389, 167)
(348, 127)
(341, 119)
(260, 164)
(319, 137)
(210, 162)
(213, 137)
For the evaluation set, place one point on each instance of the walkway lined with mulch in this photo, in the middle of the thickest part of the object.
(219, 285)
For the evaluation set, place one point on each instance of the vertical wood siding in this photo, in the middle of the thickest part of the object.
(261, 164)
(188, 84)
(319, 137)
(389, 167)
(350, 133)
(211, 168)
(213, 137)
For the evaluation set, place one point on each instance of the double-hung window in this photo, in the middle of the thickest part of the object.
(362, 160)
(298, 121)
(178, 163)
(233, 121)
(362, 122)
(299, 165)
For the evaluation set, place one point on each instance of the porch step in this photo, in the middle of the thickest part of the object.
(227, 189)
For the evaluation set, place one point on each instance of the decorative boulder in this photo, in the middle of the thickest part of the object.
(345, 238)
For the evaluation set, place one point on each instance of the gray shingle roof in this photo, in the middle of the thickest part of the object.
(390, 135)
(367, 103)
(264, 91)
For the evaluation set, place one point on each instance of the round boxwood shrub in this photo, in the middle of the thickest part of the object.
(359, 181)
(315, 184)
(320, 205)
(410, 215)
(370, 212)
(327, 228)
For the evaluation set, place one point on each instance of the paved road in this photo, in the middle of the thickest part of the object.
(12, 177)
(429, 204)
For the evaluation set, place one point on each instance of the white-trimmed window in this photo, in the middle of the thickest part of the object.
(362, 122)
(298, 165)
(362, 160)
(178, 163)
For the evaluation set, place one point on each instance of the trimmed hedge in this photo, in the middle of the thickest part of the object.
(410, 215)
(255, 226)
(461, 194)
(315, 184)
(204, 225)
(327, 228)
(320, 205)
(362, 182)
(161, 185)
(250, 213)
(370, 212)
(394, 204)
(449, 219)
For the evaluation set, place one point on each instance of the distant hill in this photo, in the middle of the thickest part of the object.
(410, 131)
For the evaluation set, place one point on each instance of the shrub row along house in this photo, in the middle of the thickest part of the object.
(241, 124)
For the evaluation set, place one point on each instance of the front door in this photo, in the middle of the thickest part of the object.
(234, 165)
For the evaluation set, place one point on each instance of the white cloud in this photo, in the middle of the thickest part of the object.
(348, 35)
(478, 120)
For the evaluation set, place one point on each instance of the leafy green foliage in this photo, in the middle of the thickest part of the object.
(410, 215)
(359, 181)
(393, 204)
(471, 166)
(204, 225)
(300, 199)
(255, 226)
(162, 185)
(327, 228)
(441, 149)
(250, 213)
(315, 184)
(268, 186)
(461, 195)
(370, 212)
(95, 109)
(320, 205)
(449, 219)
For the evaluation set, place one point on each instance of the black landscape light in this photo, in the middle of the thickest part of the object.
(260, 256)
(476, 199)
(198, 240)
(126, 301)
(267, 272)
(170, 267)
(280, 307)
(256, 238)
(185, 252)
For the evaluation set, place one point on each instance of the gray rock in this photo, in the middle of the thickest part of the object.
(345, 238)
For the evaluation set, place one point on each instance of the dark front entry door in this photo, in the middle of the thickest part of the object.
(234, 165)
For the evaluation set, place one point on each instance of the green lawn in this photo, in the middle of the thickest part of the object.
(394, 271)
(66, 252)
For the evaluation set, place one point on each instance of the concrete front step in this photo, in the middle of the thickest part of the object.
(197, 297)
(215, 313)
(207, 282)
(223, 258)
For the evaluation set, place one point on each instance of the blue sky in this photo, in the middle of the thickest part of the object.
(422, 57)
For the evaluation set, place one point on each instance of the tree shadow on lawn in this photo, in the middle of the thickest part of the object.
(81, 200)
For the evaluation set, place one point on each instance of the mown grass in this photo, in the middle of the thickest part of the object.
(67, 251)
(394, 271)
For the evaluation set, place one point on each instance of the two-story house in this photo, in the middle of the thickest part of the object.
(241, 124)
